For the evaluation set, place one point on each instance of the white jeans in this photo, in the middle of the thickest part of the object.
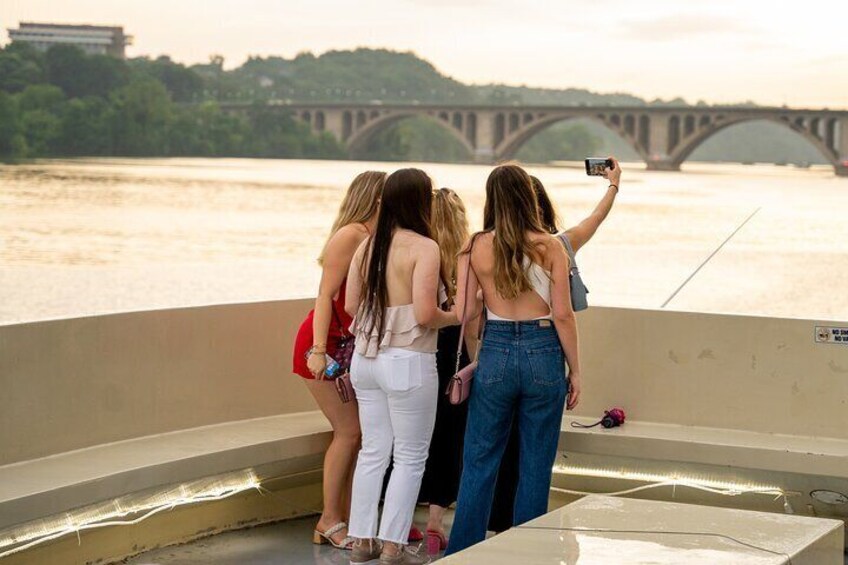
(397, 393)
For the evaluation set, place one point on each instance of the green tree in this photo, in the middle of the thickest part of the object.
(41, 130)
(80, 75)
(20, 66)
(183, 84)
(142, 114)
(12, 142)
(40, 107)
(41, 97)
(86, 128)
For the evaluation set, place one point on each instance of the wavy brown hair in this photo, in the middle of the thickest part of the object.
(449, 226)
(406, 204)
(547, 212)
(511, 211)
(361, 202)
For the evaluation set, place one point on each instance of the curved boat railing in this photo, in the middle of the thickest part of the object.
(108, 419)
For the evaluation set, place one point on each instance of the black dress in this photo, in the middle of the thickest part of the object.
(440, 483)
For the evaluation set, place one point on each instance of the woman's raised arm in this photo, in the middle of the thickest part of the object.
(580, 234)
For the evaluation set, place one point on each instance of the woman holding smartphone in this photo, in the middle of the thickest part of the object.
(317, 338)
(530, 335)
(394, 292)
(503, 506)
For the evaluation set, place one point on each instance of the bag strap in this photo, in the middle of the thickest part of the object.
(571, 255)
(344, 330)
(465, 308)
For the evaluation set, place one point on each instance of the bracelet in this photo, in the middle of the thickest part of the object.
(318, 351)
(614, 185)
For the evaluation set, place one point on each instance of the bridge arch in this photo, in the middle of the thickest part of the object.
(512, 142)
(808, 130)
(459, 128)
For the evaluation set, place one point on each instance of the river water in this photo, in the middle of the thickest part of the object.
(90, 236)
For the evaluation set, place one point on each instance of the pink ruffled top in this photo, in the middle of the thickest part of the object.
(400, 329)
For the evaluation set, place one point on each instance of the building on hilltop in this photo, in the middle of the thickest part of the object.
(94, 40)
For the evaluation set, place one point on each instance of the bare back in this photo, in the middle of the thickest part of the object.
(527, 306)
(404, 252)
(412, 275)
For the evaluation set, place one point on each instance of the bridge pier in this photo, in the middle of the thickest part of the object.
(662, 165)
(485, 156)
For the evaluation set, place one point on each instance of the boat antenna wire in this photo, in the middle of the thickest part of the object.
(708, 259)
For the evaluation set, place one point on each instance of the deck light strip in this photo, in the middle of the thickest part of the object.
(116, 512)
(656, 480)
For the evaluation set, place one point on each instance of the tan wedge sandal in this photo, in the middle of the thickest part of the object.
(320, 538)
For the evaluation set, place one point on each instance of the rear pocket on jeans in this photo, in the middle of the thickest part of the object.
(405, 373)
(491, 364)
(547, 366)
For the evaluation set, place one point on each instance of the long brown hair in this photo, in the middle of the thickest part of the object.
(361, 202)
(512, 210)
(547, 212)
(406, 204)
(449, 225)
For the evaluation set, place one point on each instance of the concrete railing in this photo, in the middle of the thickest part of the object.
(736, 372)
(75, 383)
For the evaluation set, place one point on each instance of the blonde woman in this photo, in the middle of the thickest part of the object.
(449, 228)
(319, 335)
(530, 336)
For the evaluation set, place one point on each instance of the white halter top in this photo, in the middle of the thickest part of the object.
(540, 280)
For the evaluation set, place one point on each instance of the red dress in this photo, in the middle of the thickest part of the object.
(303, 341)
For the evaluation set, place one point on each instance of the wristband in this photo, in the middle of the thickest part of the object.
(614, 185)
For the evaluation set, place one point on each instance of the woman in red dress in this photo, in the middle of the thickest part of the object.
(319, 333)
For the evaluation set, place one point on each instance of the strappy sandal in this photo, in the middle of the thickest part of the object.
(320, 538)
(436, 542)
(415, 534)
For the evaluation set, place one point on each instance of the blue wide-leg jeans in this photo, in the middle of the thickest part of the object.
(521, 374)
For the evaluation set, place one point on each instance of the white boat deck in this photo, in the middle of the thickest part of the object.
(602, 529)
(626, 532)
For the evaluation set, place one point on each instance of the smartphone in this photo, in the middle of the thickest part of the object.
(332, 365)
(595, 167)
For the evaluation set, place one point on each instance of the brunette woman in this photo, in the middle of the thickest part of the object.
(503, 506)
(530, 336)
(394, 293)
(318, 336)
(449, 226)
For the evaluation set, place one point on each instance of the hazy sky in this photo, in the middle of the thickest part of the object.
(772, 52)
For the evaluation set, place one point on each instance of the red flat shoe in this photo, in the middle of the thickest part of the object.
(436, 542)
(415, 534)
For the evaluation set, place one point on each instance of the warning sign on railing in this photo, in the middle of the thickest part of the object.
(827, 334)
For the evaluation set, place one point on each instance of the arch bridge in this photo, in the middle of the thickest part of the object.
(663, 136)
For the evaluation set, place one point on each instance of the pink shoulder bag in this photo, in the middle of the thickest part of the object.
(459, 386)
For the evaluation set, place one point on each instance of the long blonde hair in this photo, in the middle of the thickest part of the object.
(449, 227)
(360, 204)
(512, 210)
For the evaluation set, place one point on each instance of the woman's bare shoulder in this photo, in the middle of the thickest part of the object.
(352, 231)
(422, 243)
(481, 239)
(347, 237)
